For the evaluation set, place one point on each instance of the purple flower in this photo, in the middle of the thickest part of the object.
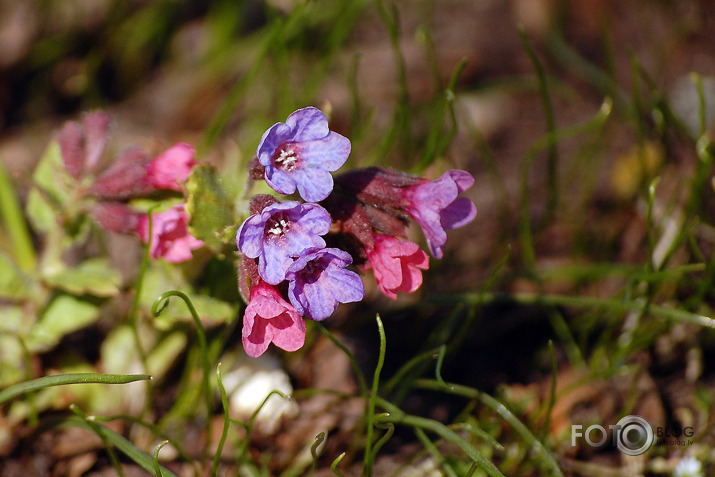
(300, 153)
(318, 281)
(436, 207)
(280, 233)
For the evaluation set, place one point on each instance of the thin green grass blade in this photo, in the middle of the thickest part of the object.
(315, 450)
(157, 467)
(547, 141)
(574, 301)
(78, 378)
(334, 465)
(435, 453)
(544, 455)
(226, 420)
(370, 417)
(162, 302)
(362, 382)
(553, 153)
(397, 416)
(92, 424)
(143, 460)
(157, 431)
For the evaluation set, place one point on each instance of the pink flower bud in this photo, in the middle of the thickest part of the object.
(172, 167)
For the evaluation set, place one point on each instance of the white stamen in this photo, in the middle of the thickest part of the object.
(287, 159)
(279, 227)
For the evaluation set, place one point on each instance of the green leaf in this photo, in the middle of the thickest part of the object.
(208, 205)
(52, 177)
(64, 315)
(12, 282)
(40, 212)
(12, 359)
(93, 276)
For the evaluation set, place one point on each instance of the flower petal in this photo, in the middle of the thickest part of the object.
(458, 213)
(307, 124)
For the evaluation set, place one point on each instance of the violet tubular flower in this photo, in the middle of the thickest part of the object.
(280, 233)
(318, 282)
(436, 208)
(301, 153)
(269, 318)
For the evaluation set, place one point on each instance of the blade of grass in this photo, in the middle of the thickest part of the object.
(78, 378)
(598, 119)
(435, 453)
(577, 302)
(553, 153)
(157, 307)
(370, 414)
(90, 422)
(438, 141)
(397, 416)
(157, 467)
(334, 465)
(145, 461)
(362, 382)
(315, 450)
(226, 420)
(544, 455)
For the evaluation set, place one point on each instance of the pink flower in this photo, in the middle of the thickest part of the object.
(170, 239)
(397, 265)
(268, 317)
(171, 167)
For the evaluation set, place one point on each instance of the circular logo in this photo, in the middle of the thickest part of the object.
(634, 435)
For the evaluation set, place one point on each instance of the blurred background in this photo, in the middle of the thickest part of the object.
(427, 85)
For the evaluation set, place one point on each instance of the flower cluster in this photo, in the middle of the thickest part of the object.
(132, 174)
(296, 253)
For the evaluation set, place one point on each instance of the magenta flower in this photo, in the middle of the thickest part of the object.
(172, 167)
(280, 233)
(318, 282)
(269, 318)
(397, 265)
(170, 238)
(436, 207)
(301, 153)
